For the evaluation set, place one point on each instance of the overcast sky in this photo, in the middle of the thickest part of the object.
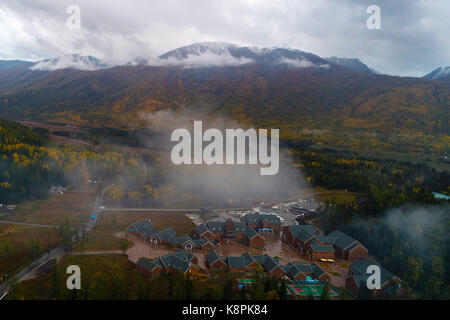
(414, 39)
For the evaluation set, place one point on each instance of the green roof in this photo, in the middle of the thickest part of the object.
(359, 271)
(343, 241)
(213, 256)
(201, 229)
(250, 233)
(322, 248)
(258, 218)
(270, 263)
(216, 226)
(236, 262)
(146, 263)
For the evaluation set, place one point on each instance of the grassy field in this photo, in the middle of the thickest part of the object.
(102, 277)
(97, 241)
(116, 221)
(20, 245)
(334, 196)
(74, 205)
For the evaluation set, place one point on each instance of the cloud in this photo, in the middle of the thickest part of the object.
(219, 182)
(204, 60)
(303, 63)
(413, 39)
(70, 61)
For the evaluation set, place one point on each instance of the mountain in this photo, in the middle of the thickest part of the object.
(353, 64)
(441, 73)
(221, 54)
(15, 73)
(11, 64)
(292, 90)
(73, 61)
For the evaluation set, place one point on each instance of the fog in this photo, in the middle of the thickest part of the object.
(242, 182)
(420, 226)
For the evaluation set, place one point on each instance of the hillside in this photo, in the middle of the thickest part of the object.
(441, 73)
(353, 64)
(295, 91)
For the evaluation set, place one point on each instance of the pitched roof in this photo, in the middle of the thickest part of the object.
(179, 260)
(304, 236)
(147, 264)
(202, 241)
(202, 229)
(343, 241)
(359, 271)
(216, 226)
(259, 257)
(183, 255)
(144, 227)
(248, 258)
(258, 218)
(182, 240)
(238, 227)
(236, 262)
(166, 234)
(354, 246)
(270, 263)
(304, 268)
(291, 270)
(317, 271)
(321, 248)
(302, 232)
(250, 233)
(326, 239)
(213, 256)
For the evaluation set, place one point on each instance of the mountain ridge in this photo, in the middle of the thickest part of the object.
(440, 73)
(352, 63)
(270, 92)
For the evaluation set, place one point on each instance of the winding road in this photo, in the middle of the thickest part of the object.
(57, 253)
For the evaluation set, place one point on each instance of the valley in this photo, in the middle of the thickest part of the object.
(86, 158)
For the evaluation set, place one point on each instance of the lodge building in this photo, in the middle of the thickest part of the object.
(178, 262)
(263, 223)
(228, 232)
(317, 247)
(144, 229)
(248, 262)
(358, 276)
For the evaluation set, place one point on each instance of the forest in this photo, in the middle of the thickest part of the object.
(394, 209)
(30, 163)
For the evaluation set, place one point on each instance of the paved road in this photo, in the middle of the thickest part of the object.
(57, 253)
(81, 253)
(152, 209)
(28, 224)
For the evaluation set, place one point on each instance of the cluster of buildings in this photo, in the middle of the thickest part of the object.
(248, 230)
(357, 277)
(179, 261)
(323, 248)
(308, 239)
(207, 236)
(248, 262)
(144, 229)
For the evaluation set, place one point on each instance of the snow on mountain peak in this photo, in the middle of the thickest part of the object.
(221, 53)
(74, 61)
(438, 73)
